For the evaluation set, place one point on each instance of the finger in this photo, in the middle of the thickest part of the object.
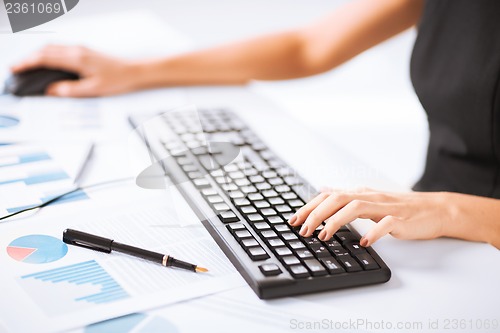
(79, 88)
(55, 57)
(385, 226)
(305, 210)
(324, 210)
(352, 211)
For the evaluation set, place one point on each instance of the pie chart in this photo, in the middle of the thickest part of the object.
(37, 249)
(8, 121)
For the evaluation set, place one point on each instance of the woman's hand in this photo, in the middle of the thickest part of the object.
(100, 74)
(413, 215)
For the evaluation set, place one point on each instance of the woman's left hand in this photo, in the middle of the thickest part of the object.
(413, 215)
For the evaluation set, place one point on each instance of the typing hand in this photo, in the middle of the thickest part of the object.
(100, 74)
(411, 215)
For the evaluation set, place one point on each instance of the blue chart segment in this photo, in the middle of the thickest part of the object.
(32, 178)
(75, 196)
(70, 286)
(135, 322)
(37, 249)
(7, 121)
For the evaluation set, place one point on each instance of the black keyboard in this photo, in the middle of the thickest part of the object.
(244, 194)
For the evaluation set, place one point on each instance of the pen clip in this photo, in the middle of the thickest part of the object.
(88, 241)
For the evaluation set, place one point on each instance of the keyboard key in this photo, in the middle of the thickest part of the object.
(255, 196)
(290, 260)
(283, 208)
(270, 269)
(249, 242)
(201, 183)
(283, 251)
(270, 193)
(276, 242)
(194, 174)
(289, 236)
(315, 267)
(281, 228)
(338, 251)
(236, 174)
(312, 241)
(299, 271)
(275, 219)
(257, 253)
(268, 212)
(248, 189)
(241, 201)
(221, 207)
(282, 188)
(222, 180)
(229, 187)
(305, 254)
(255, 217)
(235, 227)
(366, 261)
(241, 234)
(332, 265)
(213, 199)
(276, 201)
(257, 179)
(269, 174)
(287, 216)
(296, 203)
(237, 195)
(261, 204)
(355, 248)
(228, 217)
(269, 234)
(263, 186)
(297, 245)
(242, 182)
(289, 195)
(248, 209)
(332, 243)
(349, 263)
(261, 226)
(189, 167)
(346, 236)
(231, 168)
(208, 191)
(321, 251)
(275, 181)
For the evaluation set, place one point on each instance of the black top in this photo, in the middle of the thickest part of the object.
(455, 69)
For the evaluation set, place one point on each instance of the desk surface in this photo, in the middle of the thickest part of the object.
(442, 279)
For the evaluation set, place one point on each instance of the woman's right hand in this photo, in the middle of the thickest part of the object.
(100, 74)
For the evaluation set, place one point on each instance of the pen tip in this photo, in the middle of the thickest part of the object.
(201, 269)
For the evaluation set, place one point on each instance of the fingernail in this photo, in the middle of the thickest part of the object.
(322, 235)
(363, 242)
(303, 230)
(292, 219)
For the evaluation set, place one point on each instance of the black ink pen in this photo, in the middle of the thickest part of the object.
(82, 239)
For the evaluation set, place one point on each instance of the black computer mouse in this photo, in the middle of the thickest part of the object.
(35, 81)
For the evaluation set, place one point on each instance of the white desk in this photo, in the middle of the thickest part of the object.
(432, 280)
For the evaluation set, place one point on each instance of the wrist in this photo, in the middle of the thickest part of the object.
(466, 218)
(142, 75)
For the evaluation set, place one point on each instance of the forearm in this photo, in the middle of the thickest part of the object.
(473, 218)
(324, 45)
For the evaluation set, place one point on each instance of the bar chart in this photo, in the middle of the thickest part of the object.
(29, 177)
(72, 287)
